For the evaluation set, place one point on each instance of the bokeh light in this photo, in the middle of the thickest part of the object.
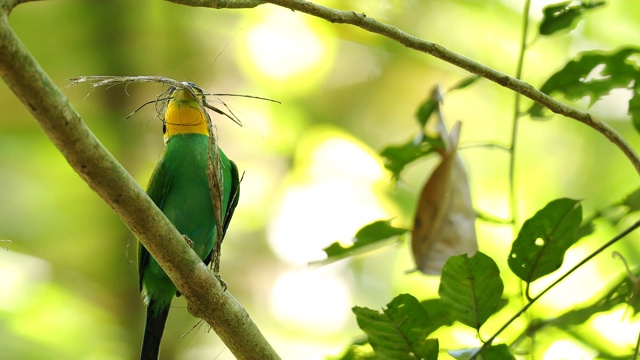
(334, 182)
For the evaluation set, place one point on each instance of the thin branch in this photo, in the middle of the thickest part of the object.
(221, 4)
(97, 167)
(370, 24)
(513, 201)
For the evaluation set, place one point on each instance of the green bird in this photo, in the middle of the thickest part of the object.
(179, 186)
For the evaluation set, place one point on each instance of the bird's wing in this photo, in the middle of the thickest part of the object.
(157, 191)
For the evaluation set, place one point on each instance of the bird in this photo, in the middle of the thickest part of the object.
(179, 186)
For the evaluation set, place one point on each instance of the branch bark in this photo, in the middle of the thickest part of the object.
(100, 170)
(372, 25)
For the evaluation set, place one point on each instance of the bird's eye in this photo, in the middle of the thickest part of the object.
(164, 128)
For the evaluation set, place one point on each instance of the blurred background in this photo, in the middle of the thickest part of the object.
(312, 173)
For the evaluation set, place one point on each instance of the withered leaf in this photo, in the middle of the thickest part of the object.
(444, 223)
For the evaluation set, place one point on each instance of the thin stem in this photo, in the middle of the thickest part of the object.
(513, 201)
(617, 238)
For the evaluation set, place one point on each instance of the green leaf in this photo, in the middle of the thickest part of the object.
(563, 15)
(470, 288)
(399, 331)
(632, 201)
(634, 104)
(437, 315)
(492, 352)
(396, 157)
(543, 240)
(426, 110)
(613, 213)
(576, 79)
(365, 239)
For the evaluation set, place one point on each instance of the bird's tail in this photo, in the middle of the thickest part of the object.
(153, 329)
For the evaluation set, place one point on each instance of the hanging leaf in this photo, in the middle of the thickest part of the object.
(399, 331)
(426, 110)
(369, 237)
(563, 15)
(470, 289)
(543, 239)
(594, 74)
(444, 223)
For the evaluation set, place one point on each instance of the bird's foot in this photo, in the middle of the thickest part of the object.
(222, 282)
(189, 241)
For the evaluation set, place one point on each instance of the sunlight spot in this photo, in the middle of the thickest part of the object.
(330, 195)
(310, 299)
(282, 46)
(616, 327)
(565, 349)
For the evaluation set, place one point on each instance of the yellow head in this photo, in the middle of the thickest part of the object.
(183, 114)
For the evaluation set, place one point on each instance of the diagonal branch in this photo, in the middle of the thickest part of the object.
(372, 25)
(97, 167)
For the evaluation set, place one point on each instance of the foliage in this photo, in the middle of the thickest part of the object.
(370, 236)
(564, 15)
(594, 74)
(470, 289)
(471, 286)
(400, 331)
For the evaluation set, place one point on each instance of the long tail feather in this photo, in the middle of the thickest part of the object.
(153, 329)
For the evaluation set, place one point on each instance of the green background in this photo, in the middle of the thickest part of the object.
(68, 279)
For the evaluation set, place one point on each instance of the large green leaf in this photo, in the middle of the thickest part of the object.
(594, 74)
(368, 237)
(543, 240)
(400, 331)
(470, 288)
(563, 15)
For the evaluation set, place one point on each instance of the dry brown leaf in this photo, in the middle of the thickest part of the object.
(445, 220)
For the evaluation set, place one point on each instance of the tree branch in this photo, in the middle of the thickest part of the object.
(97, 167)
(370, 24)
(221, 4)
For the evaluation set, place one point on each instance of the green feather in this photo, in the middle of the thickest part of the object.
(179, 186)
